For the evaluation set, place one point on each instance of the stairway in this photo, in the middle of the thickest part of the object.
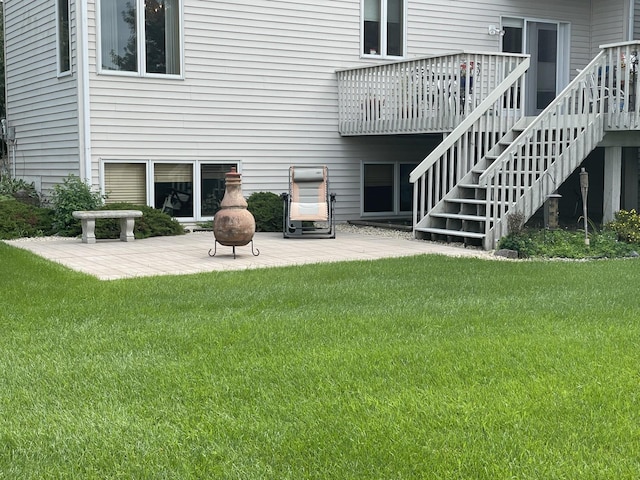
(516, 173)
(461, 215)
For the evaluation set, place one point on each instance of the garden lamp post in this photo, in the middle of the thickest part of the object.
(584, 189)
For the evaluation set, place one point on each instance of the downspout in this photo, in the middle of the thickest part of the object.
(84, 107)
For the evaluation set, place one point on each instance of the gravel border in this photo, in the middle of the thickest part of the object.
(373, 231)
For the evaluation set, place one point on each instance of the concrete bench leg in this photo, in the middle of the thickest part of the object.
(88, 230)
(126, 229)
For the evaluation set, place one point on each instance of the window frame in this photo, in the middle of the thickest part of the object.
(141, 66)
(59, 36)
(396, 189)
(150, 165)
(383, 5)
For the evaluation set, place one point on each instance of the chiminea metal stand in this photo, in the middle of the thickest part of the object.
(254, 251)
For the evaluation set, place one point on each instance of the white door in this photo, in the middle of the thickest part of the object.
(548, 45)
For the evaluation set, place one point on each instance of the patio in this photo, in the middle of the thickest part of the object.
(188, 254)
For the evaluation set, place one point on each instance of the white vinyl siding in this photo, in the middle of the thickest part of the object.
(258, 87)
(636, 20)
(610, 22)
(41, 105)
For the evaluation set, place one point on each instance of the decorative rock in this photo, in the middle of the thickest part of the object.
(506, 253)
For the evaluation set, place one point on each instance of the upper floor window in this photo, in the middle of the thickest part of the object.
(383, 28)
(141, 36)
(64, 36)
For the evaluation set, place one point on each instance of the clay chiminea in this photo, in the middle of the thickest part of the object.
(233, 224)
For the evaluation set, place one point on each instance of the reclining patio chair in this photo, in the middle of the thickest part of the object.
(308, 207)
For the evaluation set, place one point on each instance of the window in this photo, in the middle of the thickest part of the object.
(383, 28)
(190, 190)
(125, 182)
(64, 36)
(387, 189)
(173, 188)
(212, 186)
(141, 36)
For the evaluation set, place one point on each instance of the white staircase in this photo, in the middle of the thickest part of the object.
(466, 188)
(461, 214)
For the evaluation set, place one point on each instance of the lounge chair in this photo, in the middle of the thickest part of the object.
(309, 207)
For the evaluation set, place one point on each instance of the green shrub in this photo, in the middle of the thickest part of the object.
(520, 242)
(20, 190)
(266, 208)
(72, 194)
(626, 225)
(153, 223)
(19, 219)
(566, 244)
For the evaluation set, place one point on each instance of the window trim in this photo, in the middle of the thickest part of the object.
(396, 188)
(383, 31)
(150, 172)
(140, 45)
(59, 52)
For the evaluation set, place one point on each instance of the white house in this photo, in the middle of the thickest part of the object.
(143, 98)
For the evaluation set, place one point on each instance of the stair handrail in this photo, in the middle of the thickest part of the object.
(543, 116)
(472, 118)
(584, 98)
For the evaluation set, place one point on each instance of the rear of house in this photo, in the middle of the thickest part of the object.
(157, 99)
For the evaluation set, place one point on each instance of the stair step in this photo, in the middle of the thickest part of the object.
(470, 201)
(459, 216)
(471, 185)
(450, 233)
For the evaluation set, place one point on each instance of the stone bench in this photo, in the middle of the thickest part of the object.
(88, 218)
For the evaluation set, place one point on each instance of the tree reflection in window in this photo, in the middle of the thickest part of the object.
(161, 47)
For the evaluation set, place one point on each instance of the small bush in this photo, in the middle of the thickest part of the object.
(153, 223)
(626, 225)
(519, 242)
(72, 194)
(566, 244)
(20, 190)
(19, 219)
(266, 208)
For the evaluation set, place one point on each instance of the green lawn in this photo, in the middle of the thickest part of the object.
(426, 367)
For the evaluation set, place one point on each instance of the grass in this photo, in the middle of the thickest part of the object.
(425, 367)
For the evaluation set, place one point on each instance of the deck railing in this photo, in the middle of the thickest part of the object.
(617, 81)
(431, 94)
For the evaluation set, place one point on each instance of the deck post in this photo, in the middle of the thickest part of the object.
(612, 182)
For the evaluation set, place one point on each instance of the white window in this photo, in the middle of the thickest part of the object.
(63, 33)
(383, 27)
(141, 36)
(188, 190)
